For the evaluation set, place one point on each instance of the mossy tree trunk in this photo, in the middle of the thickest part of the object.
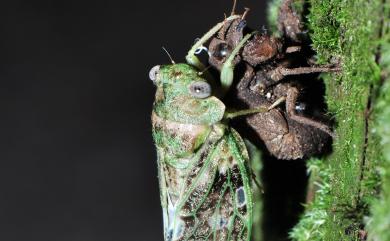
(352, 185)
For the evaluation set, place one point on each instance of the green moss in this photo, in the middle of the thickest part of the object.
(346, 32)
(379, 222)
(312, 223)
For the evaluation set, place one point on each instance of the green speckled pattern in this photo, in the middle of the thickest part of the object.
(203, 163)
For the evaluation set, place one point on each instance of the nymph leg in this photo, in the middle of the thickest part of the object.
(291, 100)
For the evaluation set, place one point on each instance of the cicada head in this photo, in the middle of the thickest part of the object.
(183, 96)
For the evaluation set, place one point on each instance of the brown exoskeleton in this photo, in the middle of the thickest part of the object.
(272, 71)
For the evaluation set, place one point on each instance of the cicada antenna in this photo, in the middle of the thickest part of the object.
(169, 55)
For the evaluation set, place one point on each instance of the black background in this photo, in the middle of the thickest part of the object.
(76, 153)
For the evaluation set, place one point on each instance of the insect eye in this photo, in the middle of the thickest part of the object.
(221, 51)
(300, 107)
(153, 73)
(200, 89)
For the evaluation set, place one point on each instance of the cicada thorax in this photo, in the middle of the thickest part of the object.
(205, 189)
(178, 140)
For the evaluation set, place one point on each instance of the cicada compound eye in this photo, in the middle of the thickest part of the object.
(221, 51)
(200, 89)
(153, 73)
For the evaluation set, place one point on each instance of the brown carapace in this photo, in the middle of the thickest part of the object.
(273, 72)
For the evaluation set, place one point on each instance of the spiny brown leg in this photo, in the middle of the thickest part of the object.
(309, 70)
(280, 72)
(291, 99)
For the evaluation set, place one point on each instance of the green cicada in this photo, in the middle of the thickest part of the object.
(204, 171)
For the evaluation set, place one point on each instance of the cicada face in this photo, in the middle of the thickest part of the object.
(184, 96)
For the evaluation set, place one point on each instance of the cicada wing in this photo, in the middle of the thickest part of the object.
(217, 204)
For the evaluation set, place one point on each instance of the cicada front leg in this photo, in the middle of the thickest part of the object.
(191, 58)
(227, 71)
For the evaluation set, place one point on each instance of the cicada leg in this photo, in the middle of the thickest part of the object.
(193, 60)
(281, 72)
(227, 71)
(191, 57)
(291, 99)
